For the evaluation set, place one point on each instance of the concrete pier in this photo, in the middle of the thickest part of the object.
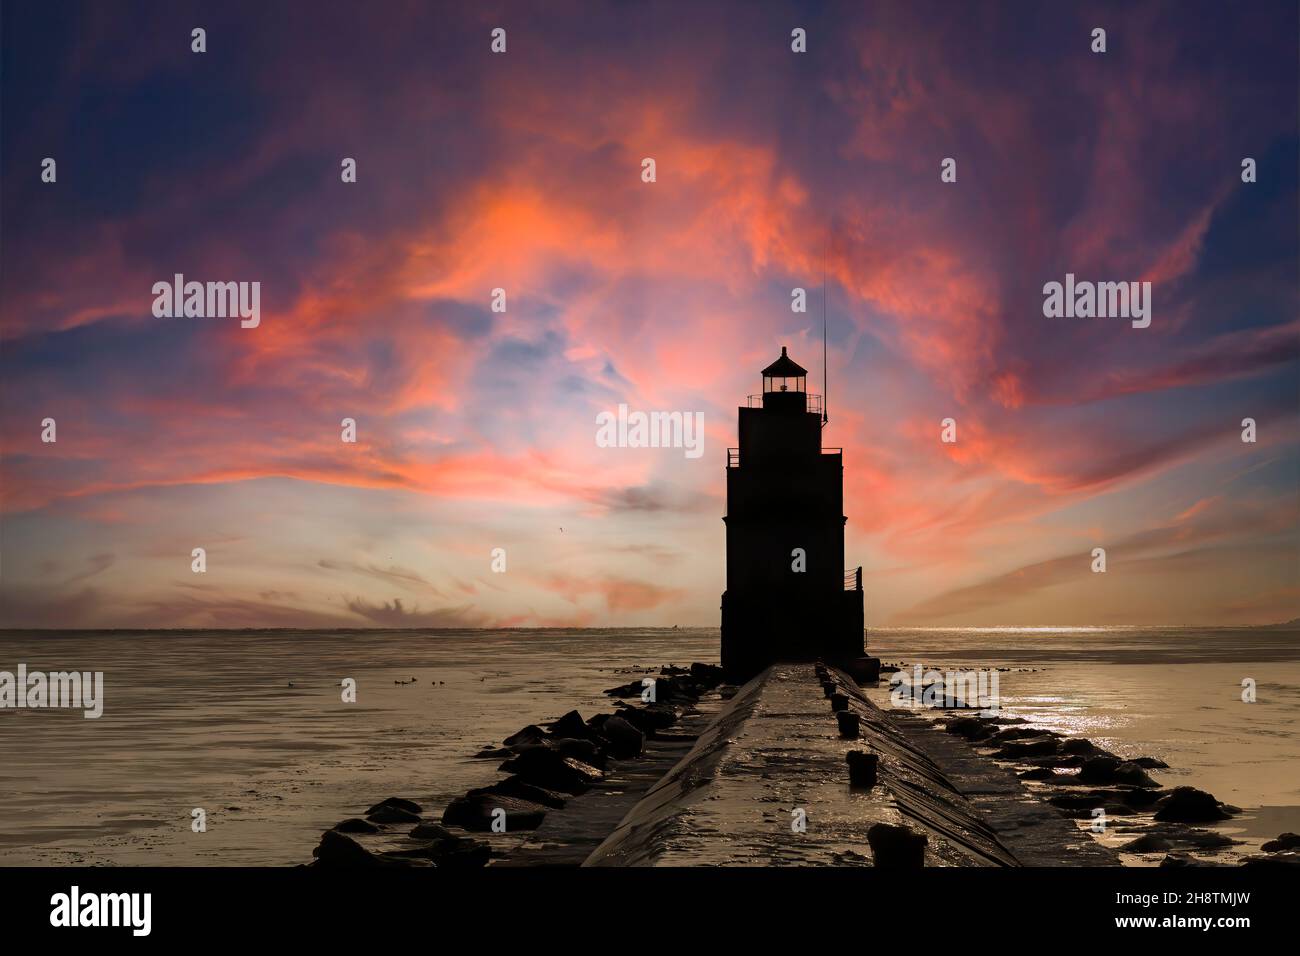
(767, 782)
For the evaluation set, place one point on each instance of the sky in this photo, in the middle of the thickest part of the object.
(522, 171)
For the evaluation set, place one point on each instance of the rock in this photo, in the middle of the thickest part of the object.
(649, 718)
(970, 728)
(462, 855)
(355, 825)
(1113, 770)
(630, 689)
(445, 848)
(1130, 774)
(477, 811)
(391, 814)
(895, 847)
(532, 734)
(1189, 805)
(1098, 770)
(709, 675)
(1285, 841)
(493, 753)
(862, 768)
(1148, 843)
(579, 749)
(550, 770)
(848, 724)
(335, 849)
(1018, 733)
(625, 741)
(1038, 773)
(1180, 859)
(570, 725)
(1078, 745)
(431, 831)
(410, 806)
(1205, 839)
(1150, 763)
(1282, 858)
(518, 787)
(1028, 747)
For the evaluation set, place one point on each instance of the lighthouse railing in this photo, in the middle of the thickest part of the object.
(853, 579)
(814, 402)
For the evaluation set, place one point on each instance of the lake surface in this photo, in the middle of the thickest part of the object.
(209, 720)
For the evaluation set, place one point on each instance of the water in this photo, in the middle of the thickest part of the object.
(208, 720)
(1171, 693)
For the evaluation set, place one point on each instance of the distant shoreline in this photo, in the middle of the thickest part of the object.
(1010, 628)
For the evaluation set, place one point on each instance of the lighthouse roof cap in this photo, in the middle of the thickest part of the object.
(784, 367)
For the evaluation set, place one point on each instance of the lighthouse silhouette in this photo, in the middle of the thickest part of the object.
(788, 596)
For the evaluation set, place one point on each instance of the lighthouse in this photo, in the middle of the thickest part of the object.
(788, 596)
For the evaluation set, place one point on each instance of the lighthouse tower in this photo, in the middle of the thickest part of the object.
(788, 596)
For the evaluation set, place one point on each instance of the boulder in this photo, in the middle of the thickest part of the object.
(970, 728)
(630, 689)
(1147, 843)
(579, 749)
(1107, 769)
(431, 831)
(462, 855)
(1131, 775)
(570, 725)
(518, 787)
(478, 811)
(1017, 733)
(355, 825)
(532, 734)
(550, 770)
(335, 849)
(444, 849)
(708, 675)
(1189, 805)
(1028, 747)
(1283, 858)
(1285, 841)
(1038, 773)
(1078, 745)
(625, 741)
(1150, 763)
(390, 814)
(649, 718)
(895, 847)
(410, 806)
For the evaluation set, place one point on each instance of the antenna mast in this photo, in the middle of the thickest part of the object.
(825, 392)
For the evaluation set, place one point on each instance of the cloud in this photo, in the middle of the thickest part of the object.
(394, 614)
